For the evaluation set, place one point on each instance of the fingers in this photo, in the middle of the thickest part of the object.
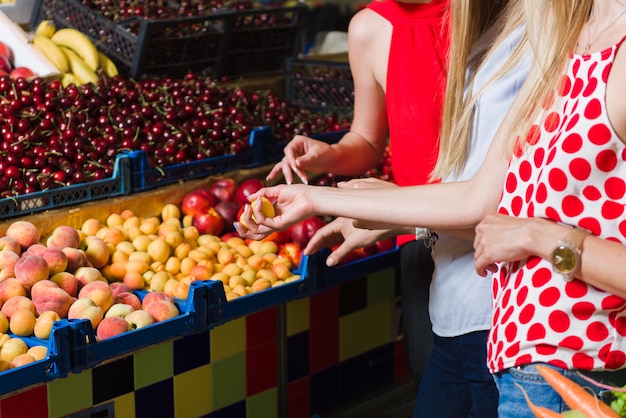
(325, 237)
(338, 254)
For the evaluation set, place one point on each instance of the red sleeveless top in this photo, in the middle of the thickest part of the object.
(416, 76)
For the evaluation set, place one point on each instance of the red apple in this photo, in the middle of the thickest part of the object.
(229, 211)
(209, 222)
(223, 190)
(303, 231)
(23, 72)
(5, 64)
(197, 201)
(292, 251)
(5, 51)
(246, 188)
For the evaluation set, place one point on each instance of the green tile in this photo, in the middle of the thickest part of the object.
(381, 286)
(229, 380)
(353, 334)
(263, 405)
(379, 324)
(192, 393)
(228, 339)
(70, 394)
(154, 365)
(297, 316)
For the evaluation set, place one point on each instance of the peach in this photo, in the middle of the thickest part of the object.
(112, 326)
(114, 220)
(162, 310)
(53, 299)
(12, 348)
(140, 256)
(128, 298)
(43, 325)
(76, 258)
(125, 247)
(114, 272)
(66, 281)
(151, 297)
(159, 250)
(56, 259)
(86, 275)
(99, 292)
(30, 269)
(4, 324)
(22, 360)
(111, 236)
(97, 251)
(201, 272)
(85, 308)
(35, 249)
(139, 319)
(170, 211)
(64, 236)
(90, 226)
(177, 289)
(119, 287)
(39, 352)
(9, 288)
(134, 280)
(8, 259)
(22, 322)
(10, 244)
(119, 309)
(15, 303)
(38, 287)
(24, 232)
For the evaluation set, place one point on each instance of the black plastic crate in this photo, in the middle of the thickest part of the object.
(223, 43)
(321, 86)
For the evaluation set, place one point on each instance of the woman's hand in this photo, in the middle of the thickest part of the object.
(292, 203)
(301, 154)
(501, 238)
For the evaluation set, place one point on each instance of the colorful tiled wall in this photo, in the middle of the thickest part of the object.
(338, 345)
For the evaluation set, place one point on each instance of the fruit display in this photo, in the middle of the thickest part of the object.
(72, 53)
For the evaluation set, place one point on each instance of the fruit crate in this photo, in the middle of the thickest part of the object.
(222, 311)
(271, 151)
(144, 177)
(56, 364)
(19, 11)
(118, 184)
(219, 44)
(329, 277)
(320, 85)
(193, 318)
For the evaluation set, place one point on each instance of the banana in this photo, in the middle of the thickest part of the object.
(81, 71)
(52, 52)
(80, 44)
(107, 65)
(67, 79)
(46, 28)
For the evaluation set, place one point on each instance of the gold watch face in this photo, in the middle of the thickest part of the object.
(564, 259)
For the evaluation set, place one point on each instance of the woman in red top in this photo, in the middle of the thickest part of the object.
(397, 52)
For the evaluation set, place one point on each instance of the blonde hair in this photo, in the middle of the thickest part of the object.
(470, 20)
(553, 28)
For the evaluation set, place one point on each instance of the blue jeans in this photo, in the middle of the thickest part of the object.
(513, 403)
(456, 381)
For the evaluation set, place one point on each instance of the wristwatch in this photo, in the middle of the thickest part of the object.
(566, 255)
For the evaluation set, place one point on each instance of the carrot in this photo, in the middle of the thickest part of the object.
(539, 411)
(575, 396)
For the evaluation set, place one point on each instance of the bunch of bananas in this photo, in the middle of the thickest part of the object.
(72, 53)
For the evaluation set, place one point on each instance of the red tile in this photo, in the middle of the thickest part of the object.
(324, 350)
(261, 368)
(261, 327)
(32, 404)
(299, 398)
(401, 364)
(325, 306)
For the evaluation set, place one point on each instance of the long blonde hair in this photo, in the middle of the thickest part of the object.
(553, 28)
(470, 20)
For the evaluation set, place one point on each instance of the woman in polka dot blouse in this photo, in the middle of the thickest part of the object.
(548, 207)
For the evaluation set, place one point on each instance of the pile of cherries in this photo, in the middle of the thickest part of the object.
(54, 136)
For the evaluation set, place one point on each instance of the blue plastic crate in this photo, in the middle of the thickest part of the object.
(329, 277)
(118, 184)
(57, 364)
(144, 177)
(222, 311)
(268, 150)
(193, 319)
